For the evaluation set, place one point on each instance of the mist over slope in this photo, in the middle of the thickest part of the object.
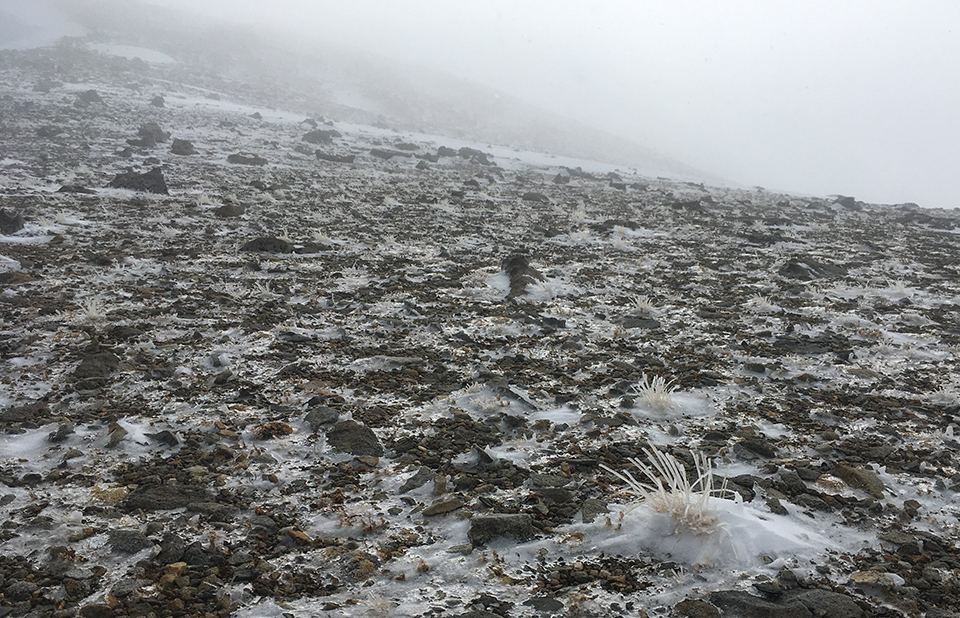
(350, 85)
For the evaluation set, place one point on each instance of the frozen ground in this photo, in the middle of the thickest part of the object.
(364, 414)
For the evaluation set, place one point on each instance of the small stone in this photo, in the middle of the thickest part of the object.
(176, 568)
(165, 437)
(878, 579)
(96, 366)
(484, 528)
(760, 446)
(11, 221)
(826, 603)
(246, 158)
(422, 477)
(273, 429)
(89, 96)
(860, 478)
(299, 537)
(165, 497)
(353, 438)
(320, 415)
(228, 211)
(20, 590)
(443, 506)
(592, 508)
(115, 433)
(268, 244)
(545, 605)
(64, 430)
(97, 610)
(738, 603)
(182, 147)
(149, 182)
(696, 608)
(124, 588)
(128, 541)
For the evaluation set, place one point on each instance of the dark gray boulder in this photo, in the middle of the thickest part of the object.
(743, 605)
(246, 158)
(385, 154)
(96, 366)
(153, 130)
(807, 269)
(148, 182)
(183, 147)
(533, 196)
(323, 156)
(128, 541)
(11, 220)
(89, 96)
(353, 438)
(321, 136)
(268, 244)
(165, 497)
(320, 415)
(484, 528)
(826, 603)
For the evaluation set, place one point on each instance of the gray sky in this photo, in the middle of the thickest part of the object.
(842, 96)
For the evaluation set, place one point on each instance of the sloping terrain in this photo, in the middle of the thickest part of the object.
(313, 368)
(313, 76)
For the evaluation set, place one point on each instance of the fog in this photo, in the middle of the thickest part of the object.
(846, 97)
(855, 98)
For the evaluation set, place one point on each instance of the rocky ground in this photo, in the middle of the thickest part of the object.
(263, 363)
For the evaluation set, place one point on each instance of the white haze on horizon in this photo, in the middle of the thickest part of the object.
(856, 97)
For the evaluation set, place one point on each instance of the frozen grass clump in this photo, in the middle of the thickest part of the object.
(656, 393)
(695, 523)
(93, 308)
(644, 305)
(761, 304)
(669, 491)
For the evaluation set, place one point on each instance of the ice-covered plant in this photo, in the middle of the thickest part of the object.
(644, 305)
(692, 521)
(668, 490)
(262, 288)
(656, 393)
(93, 308)
(321, 238)
(761, 303)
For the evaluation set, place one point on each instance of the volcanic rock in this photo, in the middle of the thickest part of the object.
(165, 497)
(153, 130)
(268, 244)
(182, 147)
(11, 221)
(485, 528)
(386, 154)
(96, 366)
(744, 605)
(353, 438)
(89, 96)
(149, 182)
(246, 158)
(321, 136)
(335, 158)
